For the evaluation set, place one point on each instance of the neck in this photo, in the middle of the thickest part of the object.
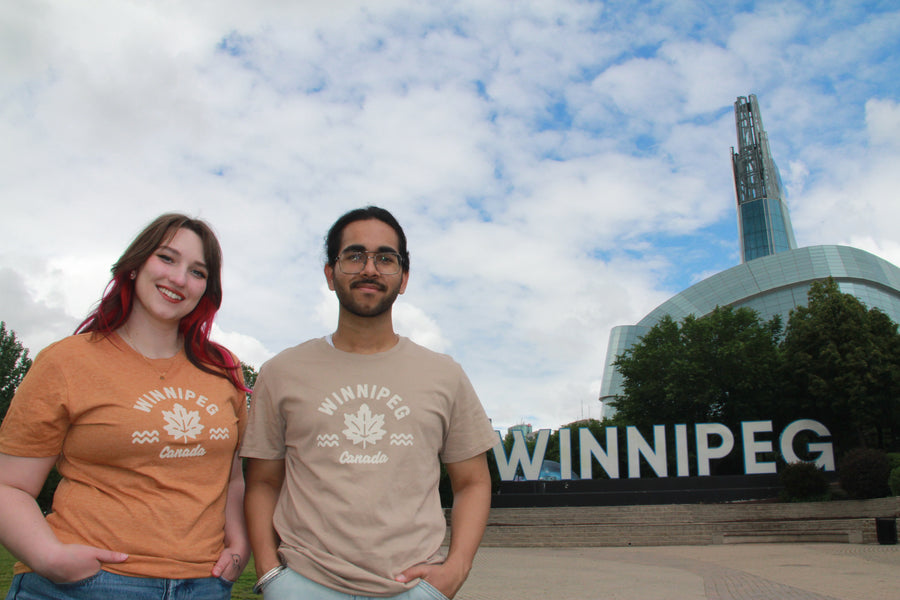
(150, 340)
(364, 335)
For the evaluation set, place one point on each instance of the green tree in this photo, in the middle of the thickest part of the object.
(14, 363)
(842, 367)
(250, 375)
(720, 368)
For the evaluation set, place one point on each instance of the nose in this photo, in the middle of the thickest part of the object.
(178, 276)
(369, 267)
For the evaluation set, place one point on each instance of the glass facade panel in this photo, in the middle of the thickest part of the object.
(754, 229)
(765, 228)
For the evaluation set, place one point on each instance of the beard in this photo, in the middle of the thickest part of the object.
(351, 305)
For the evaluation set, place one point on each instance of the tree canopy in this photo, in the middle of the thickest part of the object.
(14, 363)
(250, 374)
(720, 368)
(837, 362)
(842, 366)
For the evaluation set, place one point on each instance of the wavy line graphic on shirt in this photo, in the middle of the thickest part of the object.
(219, 433)
(402, 439)
(144, 437)
(327, 440)
(182, 424)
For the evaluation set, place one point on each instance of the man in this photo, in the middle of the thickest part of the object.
(345, 441)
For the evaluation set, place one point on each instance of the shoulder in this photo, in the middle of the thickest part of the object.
(410, 347)
(310, 350)
(426, 358)
(62, 362)
(75, 346)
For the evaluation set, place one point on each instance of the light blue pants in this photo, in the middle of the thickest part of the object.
(109, 586)
(290, 585)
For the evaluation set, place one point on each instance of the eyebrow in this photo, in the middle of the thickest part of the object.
(361, 248)
(198, 263)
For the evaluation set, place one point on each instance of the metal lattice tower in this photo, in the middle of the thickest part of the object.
(763, 219)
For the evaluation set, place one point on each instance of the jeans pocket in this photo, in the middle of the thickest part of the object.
(431, 591)
(81, 582)
(32, 585)
(14, 587)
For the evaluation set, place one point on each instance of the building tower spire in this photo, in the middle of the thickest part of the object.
(763, 220)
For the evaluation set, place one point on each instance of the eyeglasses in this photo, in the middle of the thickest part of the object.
(352, 262)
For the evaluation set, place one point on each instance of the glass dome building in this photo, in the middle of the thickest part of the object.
(775, 275)
(771, 285)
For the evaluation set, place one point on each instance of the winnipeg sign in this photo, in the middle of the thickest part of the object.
(712, 441)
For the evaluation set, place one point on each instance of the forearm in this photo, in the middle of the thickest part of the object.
(260, 500)
(236, 553)
(24, 530)
(259, 507)
(235, 525)
(468, 519)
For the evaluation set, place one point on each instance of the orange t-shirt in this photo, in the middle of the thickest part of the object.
(145, 451)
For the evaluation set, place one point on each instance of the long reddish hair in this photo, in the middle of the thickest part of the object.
(115, 306)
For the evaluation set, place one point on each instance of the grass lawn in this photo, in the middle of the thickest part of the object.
(6, 565)
(241, 591)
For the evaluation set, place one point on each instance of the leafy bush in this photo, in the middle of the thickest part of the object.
(864, 473)
(894, 481)
(893, 459)
(803, 481)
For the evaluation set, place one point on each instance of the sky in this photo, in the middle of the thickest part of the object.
(560, 167)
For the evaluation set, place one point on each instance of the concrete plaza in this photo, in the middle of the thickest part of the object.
(784, 571)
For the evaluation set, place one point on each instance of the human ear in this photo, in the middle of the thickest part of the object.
(329, 276)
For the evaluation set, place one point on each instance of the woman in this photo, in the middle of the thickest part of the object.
(142, 415)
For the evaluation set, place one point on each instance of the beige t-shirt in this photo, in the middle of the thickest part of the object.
(362, 437)
(145, 461)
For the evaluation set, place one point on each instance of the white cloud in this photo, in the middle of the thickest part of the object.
(883, 123)
(35, 322)
(415, 323)
(557, 164)
(247, 348)
(856, 205)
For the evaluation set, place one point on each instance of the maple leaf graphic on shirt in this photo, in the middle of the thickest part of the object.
(181, 423)
(364, 427)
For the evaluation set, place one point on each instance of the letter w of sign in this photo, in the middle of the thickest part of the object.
(531, 466)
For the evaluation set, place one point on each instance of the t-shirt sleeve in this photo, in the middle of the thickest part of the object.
(469, 432)
(264, 436)
(38, 417)
(240, 400)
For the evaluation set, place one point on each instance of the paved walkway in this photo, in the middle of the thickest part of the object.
(722, 572)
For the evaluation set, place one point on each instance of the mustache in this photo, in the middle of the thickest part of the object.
(381, 287)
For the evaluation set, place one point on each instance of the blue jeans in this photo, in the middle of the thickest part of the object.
(109, 586)
(290, 585)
